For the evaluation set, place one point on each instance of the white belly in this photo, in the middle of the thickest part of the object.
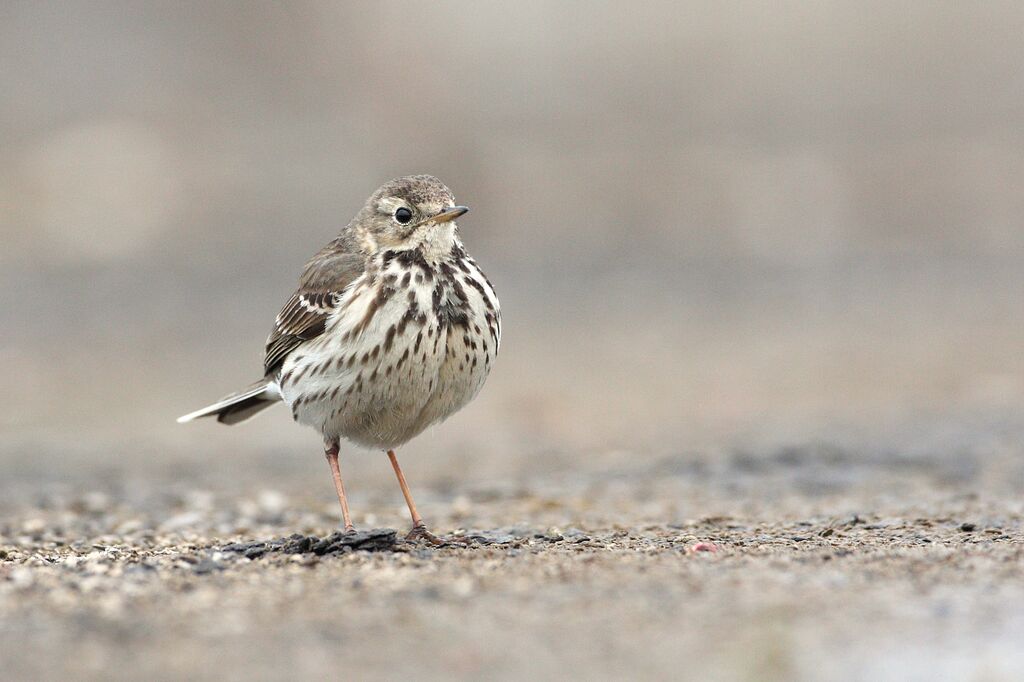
(380, 380)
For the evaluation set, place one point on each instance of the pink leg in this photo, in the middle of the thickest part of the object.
(419, 529)
(331, 452)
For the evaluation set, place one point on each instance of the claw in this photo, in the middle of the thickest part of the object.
(420, 532)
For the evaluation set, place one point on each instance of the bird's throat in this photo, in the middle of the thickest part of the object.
(434, 241)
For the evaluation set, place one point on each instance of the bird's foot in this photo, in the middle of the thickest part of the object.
(419, 533)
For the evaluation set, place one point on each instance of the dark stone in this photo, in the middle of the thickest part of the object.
(298, 545)
(255, 552)
(376, 540)
(500, 536)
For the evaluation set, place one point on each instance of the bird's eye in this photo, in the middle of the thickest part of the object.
(403, 215)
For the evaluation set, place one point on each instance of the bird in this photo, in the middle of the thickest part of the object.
(393, 328)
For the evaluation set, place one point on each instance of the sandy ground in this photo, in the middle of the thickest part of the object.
(802, 563)
(762, 282)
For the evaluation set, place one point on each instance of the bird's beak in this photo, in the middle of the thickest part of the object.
(450, 214)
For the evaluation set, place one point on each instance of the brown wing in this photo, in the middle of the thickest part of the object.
(305, 314)
(302, 318)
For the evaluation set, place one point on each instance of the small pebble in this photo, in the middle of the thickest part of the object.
(702, 547)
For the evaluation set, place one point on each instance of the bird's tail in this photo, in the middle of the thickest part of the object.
(239, 406)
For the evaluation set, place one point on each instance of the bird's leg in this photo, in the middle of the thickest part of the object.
(331, 452)
(419, 529)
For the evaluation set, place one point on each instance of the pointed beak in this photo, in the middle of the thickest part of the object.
(450, 214)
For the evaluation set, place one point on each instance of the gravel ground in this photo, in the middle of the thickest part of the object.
(799, 564)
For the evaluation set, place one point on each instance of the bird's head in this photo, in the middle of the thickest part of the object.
(417, 211)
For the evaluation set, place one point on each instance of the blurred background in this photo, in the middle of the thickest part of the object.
(714, 227)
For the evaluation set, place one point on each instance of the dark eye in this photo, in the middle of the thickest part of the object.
(403, 215)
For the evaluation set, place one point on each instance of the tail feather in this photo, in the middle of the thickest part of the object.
(239, 406)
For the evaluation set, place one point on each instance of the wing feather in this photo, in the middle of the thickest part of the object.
(321, 288)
